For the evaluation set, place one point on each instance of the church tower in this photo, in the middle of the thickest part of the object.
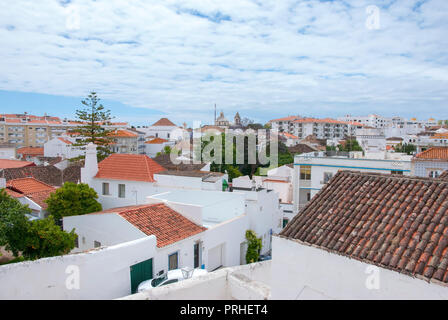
(237, 119)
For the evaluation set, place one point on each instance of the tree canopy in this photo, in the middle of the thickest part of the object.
(73, 199)
(30, 239)
(94, 118)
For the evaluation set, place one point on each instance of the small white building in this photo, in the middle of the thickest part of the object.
(127, 179)
(156, 145)
(371, 139)
(62, 147)
(164, 129)
(430, 163)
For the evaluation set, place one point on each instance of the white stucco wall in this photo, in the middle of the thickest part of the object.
(422, 168)
(108, 228)
(103, 274)
(8, 153)
(304, 272)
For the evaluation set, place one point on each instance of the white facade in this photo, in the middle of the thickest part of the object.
(301, 272)
(151, 149)
(371, 140)
(7, 153)
(62, 147)
(98, 274)
(313, 170)
(428, 168)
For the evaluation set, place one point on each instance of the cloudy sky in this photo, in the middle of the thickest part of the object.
(263, 58)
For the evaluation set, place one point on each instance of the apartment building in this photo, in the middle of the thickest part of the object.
(320, 128)
(26, 130)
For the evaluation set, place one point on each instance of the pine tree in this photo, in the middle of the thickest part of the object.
(93, 117)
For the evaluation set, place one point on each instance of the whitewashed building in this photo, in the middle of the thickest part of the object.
(62, 147)
(127, 179)
(430, 163)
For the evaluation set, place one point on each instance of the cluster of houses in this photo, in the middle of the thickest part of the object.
(338, 225)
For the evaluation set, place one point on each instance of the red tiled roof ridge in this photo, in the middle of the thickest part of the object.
(436, 153)
(164, 122)
(130, 167)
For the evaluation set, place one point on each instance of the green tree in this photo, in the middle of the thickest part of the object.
(14, 223)
(350, 145)
(45, 239)
(406, 148)
(30, 239)
(254, 245)
(71, 200)
(93, 117)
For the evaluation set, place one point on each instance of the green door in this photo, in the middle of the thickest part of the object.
(140, 272)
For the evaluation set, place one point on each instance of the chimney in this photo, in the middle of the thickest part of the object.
(91, 164)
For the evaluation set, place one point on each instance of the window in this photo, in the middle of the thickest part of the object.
(168, 135)
(106, 189)
(121, 190)
(157, 135)
(434, 174)
(197, 256)
(76, 242)
(285, 222)
(96, 244)
(308, 196)
(396, 172)
(327, 177)
(305, 172)
(173, 261)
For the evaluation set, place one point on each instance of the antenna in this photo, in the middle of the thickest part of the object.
(215, 114)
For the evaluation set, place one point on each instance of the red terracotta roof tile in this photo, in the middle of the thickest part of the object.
(165, 122)
(13, 193)
(434, 153)
(396, 222)
(28, 185)
(132, 167)
(65, 140)
(31, 151)
(122, 134)
(7, 164)
(160, 220)
(156, 141)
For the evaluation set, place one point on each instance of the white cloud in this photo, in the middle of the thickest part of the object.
(264, 57)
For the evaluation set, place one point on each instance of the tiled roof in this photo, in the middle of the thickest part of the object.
(165, 161)
(301, 148)
(158, 219)
(40, 197)
(28, 185)
(47, 174)
(31, 151)
(122, 134)
(7, 164)
(13, 193)
(132, 167)
(434, 153)
(156, 141)
(395, 222)
(444, 175)
(288, 135)
(443, 135)
(65, 140)
(165, 122)
(290, 118)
